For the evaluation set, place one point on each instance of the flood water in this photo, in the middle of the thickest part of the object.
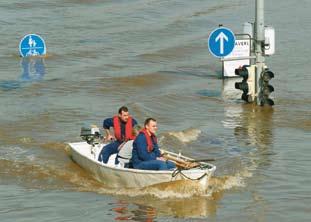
(152, 56)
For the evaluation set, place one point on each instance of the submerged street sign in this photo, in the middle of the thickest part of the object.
(239, 55)
(221, 42)
(32, 45)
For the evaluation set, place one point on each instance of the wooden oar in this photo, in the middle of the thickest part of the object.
(202, 160)
(181, 163)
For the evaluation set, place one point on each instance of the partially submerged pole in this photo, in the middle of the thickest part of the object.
(259, 46)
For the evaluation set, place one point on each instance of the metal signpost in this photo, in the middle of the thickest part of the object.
(259, 46)
(263, 74)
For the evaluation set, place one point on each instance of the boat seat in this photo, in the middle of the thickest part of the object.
(125, 154)
(123, 157)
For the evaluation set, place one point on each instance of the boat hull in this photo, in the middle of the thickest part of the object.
(111, 175)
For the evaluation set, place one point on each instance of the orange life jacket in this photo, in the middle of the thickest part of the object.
(149, 139)
(128, 129)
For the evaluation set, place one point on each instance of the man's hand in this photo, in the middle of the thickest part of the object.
(110, 137)
(161, 158)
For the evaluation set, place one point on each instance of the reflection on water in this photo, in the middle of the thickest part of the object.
(181, 199)
(252, 127)
(124, 211)
(33, 69)
(253, 130)
(255, 127)
(148, 208)
(252, 124)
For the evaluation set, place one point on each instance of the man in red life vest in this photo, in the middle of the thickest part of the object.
(146, 154)
(124, 130)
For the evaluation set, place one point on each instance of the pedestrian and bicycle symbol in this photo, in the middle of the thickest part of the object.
(32, 45)
(221, 42)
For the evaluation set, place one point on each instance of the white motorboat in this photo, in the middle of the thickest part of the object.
(86, 153)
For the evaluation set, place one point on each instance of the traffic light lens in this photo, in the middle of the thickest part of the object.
(267, 90)
(267, 76)
(267, 101)
(271, 89)
(243, 72)
(247, 98)
(241, 85)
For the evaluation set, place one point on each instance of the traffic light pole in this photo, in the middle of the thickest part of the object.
(259, 46)
(255, 84)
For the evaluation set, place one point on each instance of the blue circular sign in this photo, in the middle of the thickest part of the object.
(32, 45)
(221, 42)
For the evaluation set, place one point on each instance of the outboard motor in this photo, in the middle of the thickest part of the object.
(91, 134)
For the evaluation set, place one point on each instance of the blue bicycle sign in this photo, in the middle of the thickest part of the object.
(32, 45)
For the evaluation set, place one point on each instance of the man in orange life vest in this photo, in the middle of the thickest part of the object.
(146, 154)
(123, 125)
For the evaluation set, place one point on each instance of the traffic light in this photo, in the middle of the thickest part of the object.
(248, 83)
(265, 88)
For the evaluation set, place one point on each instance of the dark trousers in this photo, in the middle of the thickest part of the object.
(155, 165)
(108, 150)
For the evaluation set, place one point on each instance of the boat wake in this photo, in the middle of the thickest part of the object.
(187, 135)
(180, 189)
(174, 190)
(59, 172)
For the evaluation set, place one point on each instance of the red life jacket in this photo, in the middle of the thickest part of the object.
(149, 139)
(128, 129)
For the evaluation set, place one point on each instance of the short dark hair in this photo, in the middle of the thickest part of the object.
(124, 109)
(147, 121)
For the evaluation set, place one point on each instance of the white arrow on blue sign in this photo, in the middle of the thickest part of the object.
(221, 42)
(32, 45)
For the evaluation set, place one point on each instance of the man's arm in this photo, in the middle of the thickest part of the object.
(158, 153)
(106, 125)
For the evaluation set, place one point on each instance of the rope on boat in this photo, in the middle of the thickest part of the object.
(179, 171)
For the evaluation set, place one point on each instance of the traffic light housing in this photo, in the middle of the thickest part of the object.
(248, 83)
(265, 88)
